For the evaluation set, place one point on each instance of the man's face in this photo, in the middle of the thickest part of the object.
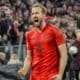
(37, 16)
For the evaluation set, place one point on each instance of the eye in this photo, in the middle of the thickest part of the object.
(37, 13)
(32, 13)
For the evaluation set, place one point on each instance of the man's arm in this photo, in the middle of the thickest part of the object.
(27, 64)
(63, 58)
(62, 63)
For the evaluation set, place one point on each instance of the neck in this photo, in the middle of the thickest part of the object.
(42, 25)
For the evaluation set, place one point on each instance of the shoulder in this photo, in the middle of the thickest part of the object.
(55, 28)
(30, 31)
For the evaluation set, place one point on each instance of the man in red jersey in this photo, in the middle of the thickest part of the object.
(46, 48)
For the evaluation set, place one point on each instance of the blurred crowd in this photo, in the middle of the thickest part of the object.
(15, 16)
(15, 19)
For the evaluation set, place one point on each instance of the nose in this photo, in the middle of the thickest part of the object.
(34, 16)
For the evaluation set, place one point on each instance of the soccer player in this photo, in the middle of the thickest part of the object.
(46, 48)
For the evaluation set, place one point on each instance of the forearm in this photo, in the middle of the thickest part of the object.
(27, 62)
(63, 59)
(27, 65)
(62, 66)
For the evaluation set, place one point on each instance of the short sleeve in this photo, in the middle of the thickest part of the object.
(28, 44)
(59, 37)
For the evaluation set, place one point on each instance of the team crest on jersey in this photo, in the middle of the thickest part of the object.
(33, 38)
(47, 36)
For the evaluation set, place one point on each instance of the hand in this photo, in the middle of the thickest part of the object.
(57, 77)
(22, 72)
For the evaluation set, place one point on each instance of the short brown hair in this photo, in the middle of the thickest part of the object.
(44, 10)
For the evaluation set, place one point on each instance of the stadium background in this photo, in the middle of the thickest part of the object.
(15, 21)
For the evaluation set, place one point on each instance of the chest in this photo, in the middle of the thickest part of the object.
(45, 37)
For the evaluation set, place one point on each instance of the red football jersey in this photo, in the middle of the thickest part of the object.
(49, 17)
(45, 54)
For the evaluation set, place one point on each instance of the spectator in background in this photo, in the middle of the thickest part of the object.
(70, 36)
(4, 27)
(4, 58)
(9, 71)
(1, 44)
(14, 33)
(75, 52)
(14, 59)
(78, 23)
